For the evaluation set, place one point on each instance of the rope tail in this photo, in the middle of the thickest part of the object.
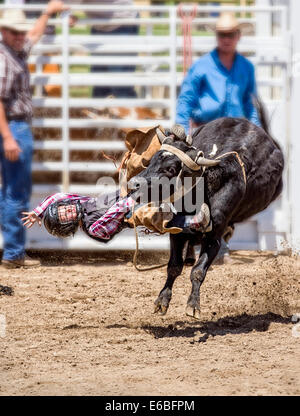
(144, 269)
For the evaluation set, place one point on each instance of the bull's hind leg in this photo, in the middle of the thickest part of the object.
(175, 267)
(209, 250)
(190, 256)
(222, 205)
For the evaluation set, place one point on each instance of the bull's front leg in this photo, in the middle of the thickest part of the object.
(175, 267)
(209, 250)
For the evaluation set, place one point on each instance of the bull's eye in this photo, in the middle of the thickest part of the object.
(171, 171)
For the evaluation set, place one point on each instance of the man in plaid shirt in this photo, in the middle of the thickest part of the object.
(100, 218)
(16, 141)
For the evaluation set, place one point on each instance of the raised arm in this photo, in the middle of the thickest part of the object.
(54, 6)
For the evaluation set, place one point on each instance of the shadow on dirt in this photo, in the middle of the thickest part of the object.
(241, 324)
(58, 258)
(240, 258)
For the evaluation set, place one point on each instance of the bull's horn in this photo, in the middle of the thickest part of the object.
(179, 132)
(160, 135)
(202, 161)
(189, 140)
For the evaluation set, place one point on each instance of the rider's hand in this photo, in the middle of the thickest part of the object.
(30, 218)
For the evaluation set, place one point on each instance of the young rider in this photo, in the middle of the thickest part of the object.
(100, 218)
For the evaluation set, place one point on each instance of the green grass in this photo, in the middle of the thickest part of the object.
(83, 30)
(84, 91)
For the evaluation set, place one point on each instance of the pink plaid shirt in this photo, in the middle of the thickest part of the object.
(106, 225)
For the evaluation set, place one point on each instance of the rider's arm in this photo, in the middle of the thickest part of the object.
(109, 223)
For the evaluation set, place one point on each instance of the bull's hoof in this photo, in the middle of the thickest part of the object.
(163, 301)
(160, 309)
(193, 312)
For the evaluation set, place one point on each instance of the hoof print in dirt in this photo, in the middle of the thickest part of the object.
(6, 290)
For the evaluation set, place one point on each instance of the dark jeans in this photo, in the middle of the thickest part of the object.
(15, 191)
(117, 91)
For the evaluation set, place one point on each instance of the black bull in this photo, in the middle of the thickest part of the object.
(230, 197)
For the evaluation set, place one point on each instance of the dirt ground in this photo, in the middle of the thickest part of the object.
(84, 325)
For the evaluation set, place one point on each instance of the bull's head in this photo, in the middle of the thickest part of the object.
(176, 157)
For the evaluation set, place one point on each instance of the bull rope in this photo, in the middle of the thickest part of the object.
(242, 164)
(159, 266)
(187, 35)
(187, 20)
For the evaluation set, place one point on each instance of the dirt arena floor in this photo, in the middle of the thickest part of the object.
(84, 325)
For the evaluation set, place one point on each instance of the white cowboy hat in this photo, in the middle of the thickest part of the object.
(227, 23)
(15, 19)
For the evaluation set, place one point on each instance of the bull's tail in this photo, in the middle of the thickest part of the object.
(265, 123)
(261, 113)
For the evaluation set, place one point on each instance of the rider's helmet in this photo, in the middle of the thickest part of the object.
(62, 218)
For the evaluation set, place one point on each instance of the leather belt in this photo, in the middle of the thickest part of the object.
(19, 118)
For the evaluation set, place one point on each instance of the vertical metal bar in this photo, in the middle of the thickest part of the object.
(284, 21)
(264, 29)
(243, 3)
(294, 144)
(38, 70)
(173, 66)
(286, 119)
(149, 32)
(65, 102)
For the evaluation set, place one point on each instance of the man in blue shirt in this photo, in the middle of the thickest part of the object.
(219, 84)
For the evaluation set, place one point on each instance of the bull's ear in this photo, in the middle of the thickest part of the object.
(163, 138)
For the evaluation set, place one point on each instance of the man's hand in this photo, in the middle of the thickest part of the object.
(73, 20)
(30, 218)
(11, 149)
(56, 6)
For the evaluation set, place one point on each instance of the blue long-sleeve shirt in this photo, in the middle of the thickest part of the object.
(210, 91)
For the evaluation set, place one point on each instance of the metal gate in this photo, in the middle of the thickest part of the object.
(69, 143)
